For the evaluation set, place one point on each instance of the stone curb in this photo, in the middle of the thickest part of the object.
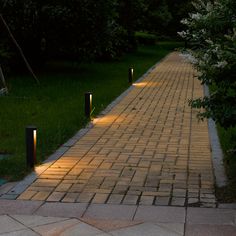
(217, 154)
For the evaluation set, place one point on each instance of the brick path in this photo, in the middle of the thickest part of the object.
(149, 149)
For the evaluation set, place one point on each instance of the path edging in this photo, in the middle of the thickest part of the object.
(216, 150)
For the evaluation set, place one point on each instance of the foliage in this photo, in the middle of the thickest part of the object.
(158, 16)
(212, 32)
(145, 38)
(163, 17)
(72, 29)
(82, 30)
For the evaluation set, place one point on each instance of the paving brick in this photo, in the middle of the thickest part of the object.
(130, 199)
(56, 196)
(70, 197)
(150, 145)
(115, 199)
(100, 198)
(85, 197)
(27, 195)
(178, 201)
(146, 200)
(162, 201)
(41, 196)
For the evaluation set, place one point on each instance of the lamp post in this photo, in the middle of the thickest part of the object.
(88, 104)
(31, 140)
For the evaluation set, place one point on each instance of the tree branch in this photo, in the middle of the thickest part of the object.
(19, 49)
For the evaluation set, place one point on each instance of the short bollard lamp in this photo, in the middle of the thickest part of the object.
(88, 104)
(131, 75)
(31, 140)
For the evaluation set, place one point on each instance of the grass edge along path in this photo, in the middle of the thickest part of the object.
(57, 106)
(227, 138)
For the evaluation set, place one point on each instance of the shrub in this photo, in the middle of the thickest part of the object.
(212, 31)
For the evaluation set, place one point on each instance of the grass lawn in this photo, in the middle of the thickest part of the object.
(56, 107)
(228, 143)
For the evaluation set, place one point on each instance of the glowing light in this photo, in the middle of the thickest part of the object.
(31, 142)
(147, 84)
(88, 104)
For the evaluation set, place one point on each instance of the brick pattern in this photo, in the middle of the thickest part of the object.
(150, 149)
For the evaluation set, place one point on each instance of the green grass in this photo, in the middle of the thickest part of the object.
(56, 107)
(228, 143)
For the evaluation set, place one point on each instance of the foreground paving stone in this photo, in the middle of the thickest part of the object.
(62, 209)
(19, 207)
(33, 220)
(7, 224)
(110, 225)
(110, 212)
(149, 229)
(24, 232)
(67, 227)
(210, 216)
(206, 230)
(160, 214)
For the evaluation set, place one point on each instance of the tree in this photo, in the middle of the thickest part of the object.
(158, 17)
(131, 17)
(212, 32)
(72, 29)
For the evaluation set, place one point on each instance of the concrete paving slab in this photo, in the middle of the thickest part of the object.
(56, 228)
(82, 229)
(160, 214)
(175, 227)
(111, 212)
(210, 216)
(148, 229)
(69, 228)
(7, 224)
(19, 207)
(62, 209)
(227, 205)
(24, 232)
(109, 225)
(103, 234)
(33, 220)
(208, 230)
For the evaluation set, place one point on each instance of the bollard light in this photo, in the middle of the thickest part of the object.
(131, 75)
(88, 104)
(31, 140)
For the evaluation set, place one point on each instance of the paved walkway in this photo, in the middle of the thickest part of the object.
(149, 149)
(143, 169)
(68, 219)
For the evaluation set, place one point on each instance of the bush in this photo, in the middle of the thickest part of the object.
(145, 38)
(212, 31)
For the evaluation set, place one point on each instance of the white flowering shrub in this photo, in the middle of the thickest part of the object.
(211, 32)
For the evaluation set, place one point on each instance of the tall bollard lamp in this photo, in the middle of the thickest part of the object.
(88, 104)
(31, 140)
(131, 75)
